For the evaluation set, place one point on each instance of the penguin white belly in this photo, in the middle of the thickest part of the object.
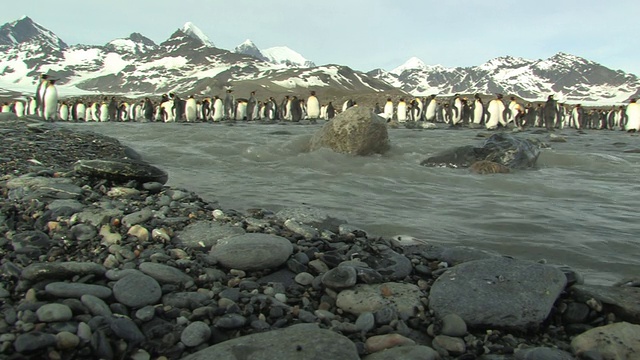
(218, 111)
(64, 112)
(50, 103)
(478, 112)
(81, 110)
(104, 112)
(388, 111)
(19, 108)
(576, 119)
(88, 114)
(633, 117)
(167, 109)
(313, 107)
(457, 112)
(191, 110)
(431, 111)
(402, 112)
(241, 111)
(496, 110)
(31, 107)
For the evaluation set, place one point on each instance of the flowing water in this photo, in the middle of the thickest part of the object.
(580, 207)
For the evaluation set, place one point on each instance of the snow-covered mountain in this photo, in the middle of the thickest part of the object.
(186, 63)
(571, 78)
(276, 55)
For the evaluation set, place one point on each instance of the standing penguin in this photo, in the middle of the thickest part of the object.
(18, 108)
(478, 110)
(331, 111)
(80, 110)
(31, 106)
(313, 106)
(63, 111)
(191, 111)
(550, 113)
(147, 109)
(456, 109)
(401, 111)
(496, 113)
(50, 101)
(229, 105)
(296, 109)
(217, 113)
(241, 110)
(251, 106)
(577, 117)
(633, 116)
(39, 99)
(432, 104)
(416, 109)
(104, 111)
(388, 110)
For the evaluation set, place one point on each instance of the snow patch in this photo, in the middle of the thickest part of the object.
(193, 31)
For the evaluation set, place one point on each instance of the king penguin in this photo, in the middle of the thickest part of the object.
(401, 111)
(191, 110)
(217, 113)
(63, 111)
(18, 107)
(313, 106)
(432, 105)
(633, 116)
(478, 110)
(50, 100)
(388, 110)
(42, 86)
(495, 113)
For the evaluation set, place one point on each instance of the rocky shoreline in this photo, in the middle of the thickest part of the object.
(96, 266)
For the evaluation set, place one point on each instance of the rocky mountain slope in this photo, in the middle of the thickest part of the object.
(188, 62)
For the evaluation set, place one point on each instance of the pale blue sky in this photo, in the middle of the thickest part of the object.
(365, 34)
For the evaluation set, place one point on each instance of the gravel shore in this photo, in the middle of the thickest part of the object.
(99, 261)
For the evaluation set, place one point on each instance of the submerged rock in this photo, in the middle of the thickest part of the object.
(503, 149)
(357, 131)
(121, 171)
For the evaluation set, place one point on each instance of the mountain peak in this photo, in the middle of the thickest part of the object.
(249, 48)
(25, 30)
(135, 43)
(286, 56)
(413, 63)
(194, 32)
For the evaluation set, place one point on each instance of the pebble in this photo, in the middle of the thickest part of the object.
(195, 334)
(76, 290)
(54, 312)
(341, 277)
(61, 270)
(448, 345)
(381, 342)
(96, 306)
(453, 325)
(165, 274)
(137, 290)
(139, 232)
(32, 341)
(253, 251)
(66, 340)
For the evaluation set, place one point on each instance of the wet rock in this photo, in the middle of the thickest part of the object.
(32, 341)
(205, 234)
(382, 342)
(404, 298)
(459, 254)
(357, 131)
(165, 273)
(61, 270)
(121, 171)
(54, 312)
(137, 290)
(254, 251)
(76, 290)
(340, 278)
(506, 292)
(195, 334)
(406, 352)
(303, 341)
(614, 341)
(484, 167)
(543, 353)
(623, 300)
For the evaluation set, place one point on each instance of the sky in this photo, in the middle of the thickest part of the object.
(364, 34)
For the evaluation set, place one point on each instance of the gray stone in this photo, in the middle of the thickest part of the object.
(66, 340)
(137, 290)
(340, 277)
(96, 306)
(448, 345)
(205, 234)
(54, 312)
(310, 216)
(390, 264)
(365, 322)
(74, 205)
(76, 290)
(121, 171)
(301, 342)
(61, 270)
(357, 131)
(83, 232)
(307, 231)
(146, 313)
(542, 353)
(195, 334)
(32, 341)
(453, 325)
(404, 298)
(254, 251)
(411, 352)
(614, 341)
(623, 300)
(231, 321)
(185, 300)
(6, 116)
(165, 273)
(126, 329)
(137, 217)
(498, 292)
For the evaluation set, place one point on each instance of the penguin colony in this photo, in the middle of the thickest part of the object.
(457, 111)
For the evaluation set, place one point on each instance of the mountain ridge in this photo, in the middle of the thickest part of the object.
(188, 61)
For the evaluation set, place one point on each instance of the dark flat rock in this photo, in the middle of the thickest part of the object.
(121, 171)
(624, 300)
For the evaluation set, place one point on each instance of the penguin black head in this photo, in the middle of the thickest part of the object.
(44, 76)
(476, 96)
(313, 93)
(550, 97)
(499, 96)
(632, 100)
